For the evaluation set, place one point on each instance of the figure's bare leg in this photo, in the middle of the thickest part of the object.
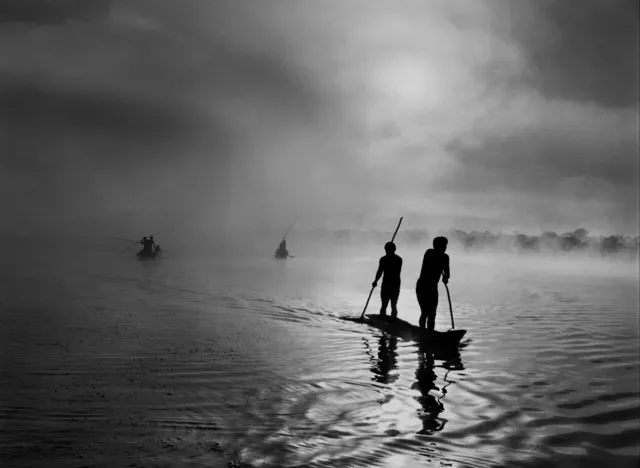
(433, 308)
(431, 322)
(423, 310)
(394, 305)
(385, 303)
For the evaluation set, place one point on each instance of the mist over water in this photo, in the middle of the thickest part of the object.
(110, 361)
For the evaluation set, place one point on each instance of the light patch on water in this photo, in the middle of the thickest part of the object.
(221, 362)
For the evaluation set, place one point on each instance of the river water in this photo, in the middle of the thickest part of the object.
(110, 362)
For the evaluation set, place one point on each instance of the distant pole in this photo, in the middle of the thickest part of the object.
(287, 233)
(394, 234)
(373, 287)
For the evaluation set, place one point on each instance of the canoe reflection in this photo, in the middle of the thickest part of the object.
(385, 371)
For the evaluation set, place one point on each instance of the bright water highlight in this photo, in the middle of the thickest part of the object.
(249, 363)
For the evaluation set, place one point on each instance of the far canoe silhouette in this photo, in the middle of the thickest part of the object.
(281, 252)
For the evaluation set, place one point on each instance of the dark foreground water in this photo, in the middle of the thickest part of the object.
(116, 363)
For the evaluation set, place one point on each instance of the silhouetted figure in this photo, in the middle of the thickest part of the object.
(147, 246)
(282, 251)
(390, 266)
(158, 250)
(434, 264)
(153, 243)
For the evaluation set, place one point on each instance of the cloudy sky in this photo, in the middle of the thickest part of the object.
(126, 116)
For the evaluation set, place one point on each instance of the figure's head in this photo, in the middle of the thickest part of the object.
(144, 238)
(151, 237)
(390, 247)
(440, 244)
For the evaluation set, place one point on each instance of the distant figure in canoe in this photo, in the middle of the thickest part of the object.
(282, 251)
(147, 246)
(390, 266)
(434, 264)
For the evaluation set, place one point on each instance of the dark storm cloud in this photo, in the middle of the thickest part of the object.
(177, 108)
(539, 161)
(580, 50)
(51, 11)
(148, 110)
(555, 135)
(31, 108)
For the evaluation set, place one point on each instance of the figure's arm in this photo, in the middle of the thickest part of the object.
(378, 274)
(446, 273)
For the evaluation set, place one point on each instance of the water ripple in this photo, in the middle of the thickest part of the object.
(252, 365)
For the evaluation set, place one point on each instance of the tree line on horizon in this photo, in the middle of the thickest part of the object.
(549, 241)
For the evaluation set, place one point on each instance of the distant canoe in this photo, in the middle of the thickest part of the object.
(282, 255)
(409, 331)
(149, 255)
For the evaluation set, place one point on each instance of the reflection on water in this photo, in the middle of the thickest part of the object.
(383, 367)
(425, 383)
(249, 364)
(384, 370)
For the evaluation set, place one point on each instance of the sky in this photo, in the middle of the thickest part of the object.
(206, 118)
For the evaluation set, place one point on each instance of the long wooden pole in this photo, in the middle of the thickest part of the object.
(450, 308)
(373, 287)
(394, 234)
(122, 238)
(131, 245)
(287, 233)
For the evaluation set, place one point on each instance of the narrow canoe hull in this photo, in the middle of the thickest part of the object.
(148, 256)
(409, 331)
(282, 256)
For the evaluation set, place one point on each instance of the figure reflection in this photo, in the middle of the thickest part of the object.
(425, 383)
(387, 361)
(431, 395)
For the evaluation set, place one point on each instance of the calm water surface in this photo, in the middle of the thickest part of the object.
(112, 362)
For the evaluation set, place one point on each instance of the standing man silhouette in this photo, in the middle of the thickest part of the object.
(390, 265)
(434, 264)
